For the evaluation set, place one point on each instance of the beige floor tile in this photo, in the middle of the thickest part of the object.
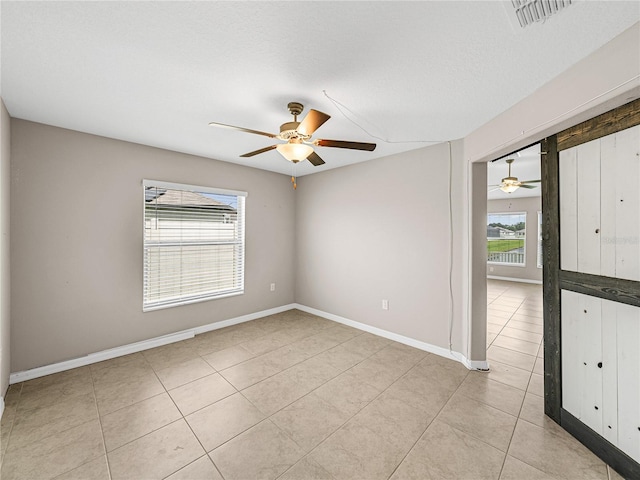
(532, 337)
(511, 357)
(137, 420)
(157, 454)
(122, 372)
(309, 420)
(347, 393)
(498, 322)
(555, 452)
(46, 420)
(268, 343)
(400, 355)
(115, 396)
(306, 469)
(446, 453)
(536, 385)
(527, 327)
(426, 391)
(248, 373)
(526, 316)
(94, 470)
(500, 372)
(492, 328)
(378, 373)
(35, 395)
(498, 313)
(217, 423)
(201, 469)
(533, 412)
(357, 453)
(75, 375)
(184, 372)
(517, 345)
(274, 393)
(134, 358)
(12, 395)
(168, 355)
(340, 333)
(394, 420)
(312, 373)
(481, 421)
(261, 453)
(285, 357)
(366, 344)
(514, 469)
(228, 357)
(478, 386)
(200, 393)
(54, 455)
(341, 358)
(539, 366)
(502, 308)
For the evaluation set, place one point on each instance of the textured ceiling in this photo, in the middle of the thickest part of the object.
(156, 73)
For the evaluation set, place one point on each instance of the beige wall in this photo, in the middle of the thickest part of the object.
(76, 227)
(5, 291)
(380, 230)
(531, 206)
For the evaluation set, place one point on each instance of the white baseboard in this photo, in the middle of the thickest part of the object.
(1, 407)
(510, 279)
(103, 355)
(427, 347)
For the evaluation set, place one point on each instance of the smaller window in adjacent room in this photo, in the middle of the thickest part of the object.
(539, 252)
(193, 244)
(506, 238)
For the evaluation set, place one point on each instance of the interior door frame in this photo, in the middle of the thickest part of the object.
(555, 279)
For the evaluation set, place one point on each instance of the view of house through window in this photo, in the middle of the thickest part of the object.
(506, 238)
(193, 244)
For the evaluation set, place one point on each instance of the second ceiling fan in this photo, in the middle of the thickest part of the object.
(510, 184)
(297, 135)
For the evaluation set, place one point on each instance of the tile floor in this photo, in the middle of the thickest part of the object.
(293, 396)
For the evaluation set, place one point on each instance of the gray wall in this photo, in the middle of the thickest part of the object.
(380, 230)
(76, 227)
(5, 290)
(530, 205)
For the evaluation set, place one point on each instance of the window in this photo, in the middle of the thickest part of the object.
(506, 238)
(193, 244)
(539, 251)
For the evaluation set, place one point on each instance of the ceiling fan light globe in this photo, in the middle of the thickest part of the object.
(294, 152)
(509, 188)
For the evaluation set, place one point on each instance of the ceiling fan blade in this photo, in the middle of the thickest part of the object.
(312, 122)
(257, 152)
(531, 181)
(370, 147)
(246, 130)
(528, 186)
(315, 159)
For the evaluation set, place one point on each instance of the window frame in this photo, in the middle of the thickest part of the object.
(241, 210)
(524, 254)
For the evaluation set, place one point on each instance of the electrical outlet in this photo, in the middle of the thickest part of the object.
(385, 304)
(273, 287)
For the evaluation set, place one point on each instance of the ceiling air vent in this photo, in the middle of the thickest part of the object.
(528, 12)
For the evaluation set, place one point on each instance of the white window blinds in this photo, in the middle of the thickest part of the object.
(193, 244)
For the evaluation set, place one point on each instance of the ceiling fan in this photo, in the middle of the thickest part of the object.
(511, 184)
(297, 135)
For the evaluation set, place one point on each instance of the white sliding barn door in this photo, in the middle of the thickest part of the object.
(599, 217)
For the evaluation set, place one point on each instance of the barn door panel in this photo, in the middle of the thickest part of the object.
(591, 269)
